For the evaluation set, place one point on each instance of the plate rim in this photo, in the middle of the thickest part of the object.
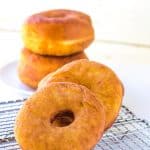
(20, 91)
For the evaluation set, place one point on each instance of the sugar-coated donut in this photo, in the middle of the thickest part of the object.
(33, 67)
(61, 116)
(58, 32)
(100, 79)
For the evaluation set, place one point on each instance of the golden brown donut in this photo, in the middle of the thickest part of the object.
(61, 116)
(33, 67)
(100, 79)
(58, 32)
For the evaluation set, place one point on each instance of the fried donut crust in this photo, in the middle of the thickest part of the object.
(34, 129)
(33, 67)
(99, 78)
(58, 32)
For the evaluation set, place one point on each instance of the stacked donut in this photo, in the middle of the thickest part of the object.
(52, 39)
(74, 105)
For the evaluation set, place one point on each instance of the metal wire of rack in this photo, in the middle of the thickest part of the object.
(127, 133)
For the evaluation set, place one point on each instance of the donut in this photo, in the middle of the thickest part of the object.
(57, 32)
(61, 116)
(33, 67)
(99, 78)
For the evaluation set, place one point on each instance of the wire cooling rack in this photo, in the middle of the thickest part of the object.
(127, 133)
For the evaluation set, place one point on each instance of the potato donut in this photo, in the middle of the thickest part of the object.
(100, 79)
(57, 32)
(61, 116)
(33, 67)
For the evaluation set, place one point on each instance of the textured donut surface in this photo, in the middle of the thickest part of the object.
(61, 116)
(33, 67)
(57, 32)
(100, 79)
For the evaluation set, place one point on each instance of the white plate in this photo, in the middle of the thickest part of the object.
(9, 77)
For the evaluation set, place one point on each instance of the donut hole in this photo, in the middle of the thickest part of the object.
(62, 118)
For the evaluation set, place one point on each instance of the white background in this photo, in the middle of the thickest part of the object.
(122, 41)
(125, 21)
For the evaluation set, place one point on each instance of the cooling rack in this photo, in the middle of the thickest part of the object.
(127, 133)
